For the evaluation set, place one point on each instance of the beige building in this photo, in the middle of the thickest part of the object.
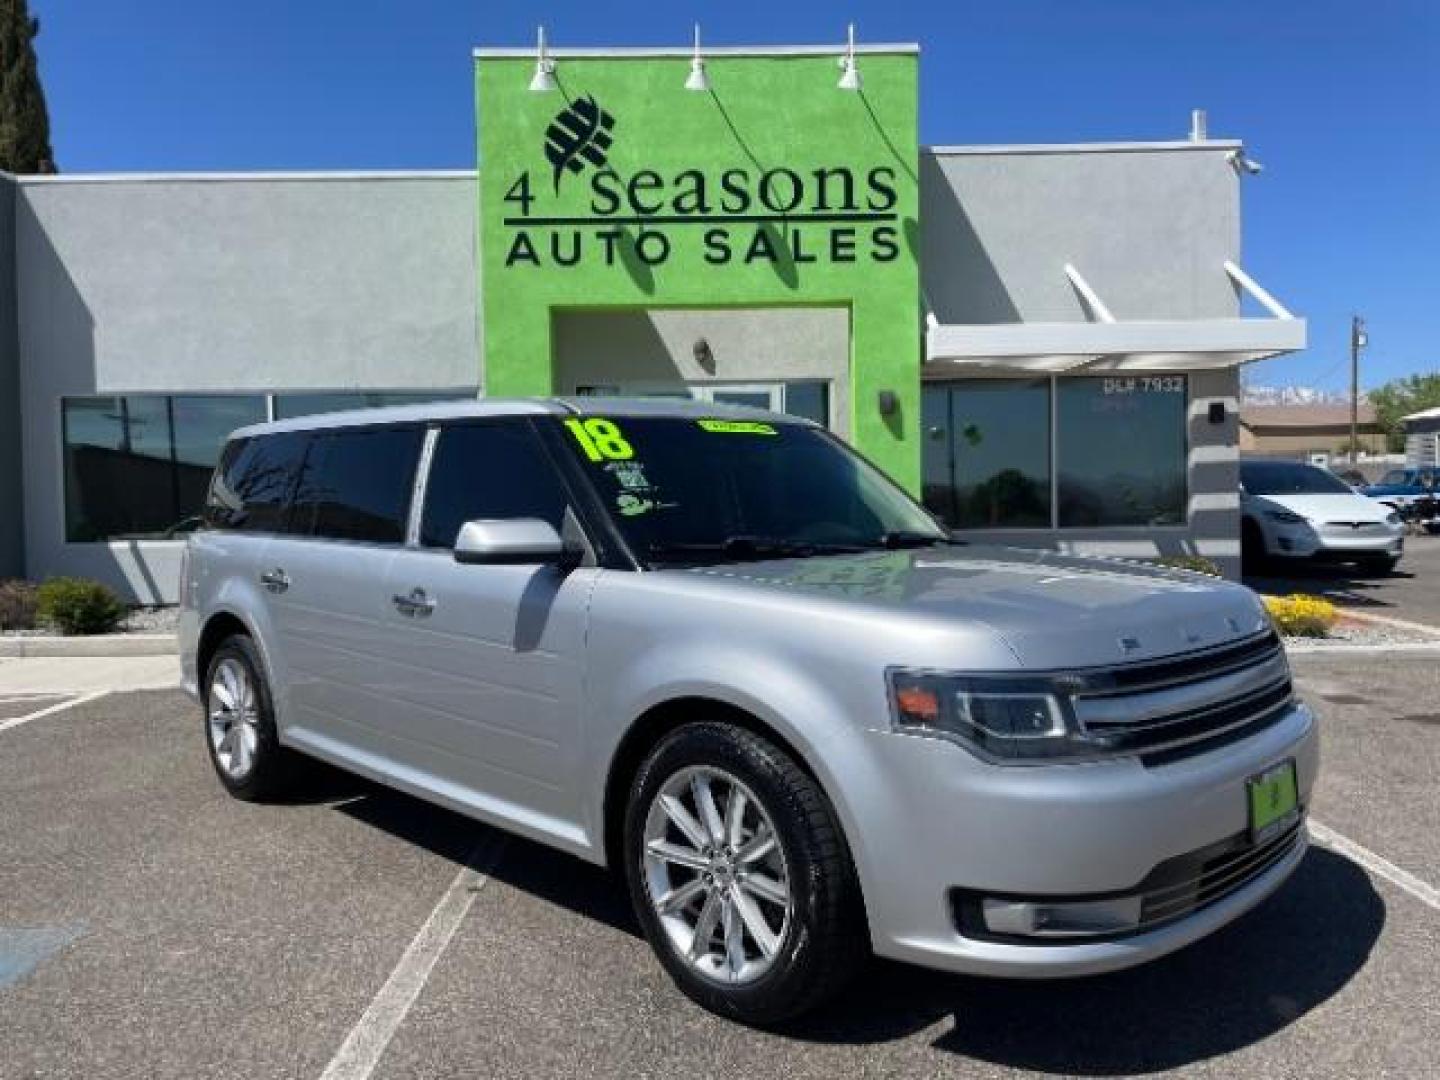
(1297, 431)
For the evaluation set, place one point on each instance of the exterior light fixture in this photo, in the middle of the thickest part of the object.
(849, 73)
(543, 81)
(1241, 163)
(699, 79)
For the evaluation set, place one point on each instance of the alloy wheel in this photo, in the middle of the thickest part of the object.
(234, 718)
(715, 873)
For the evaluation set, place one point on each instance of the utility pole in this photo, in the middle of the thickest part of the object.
(1358, 340)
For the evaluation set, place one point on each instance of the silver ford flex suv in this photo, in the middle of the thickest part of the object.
(716, 650)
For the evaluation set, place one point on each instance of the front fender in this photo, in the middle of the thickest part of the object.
(825, 724)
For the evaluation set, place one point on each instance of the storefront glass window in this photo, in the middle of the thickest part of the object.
(288, 406)
(1121, 449)
(809, 400)
(986, 458)
(139, 466)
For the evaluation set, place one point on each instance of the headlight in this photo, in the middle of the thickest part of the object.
(1285, 517)
(1009, 719)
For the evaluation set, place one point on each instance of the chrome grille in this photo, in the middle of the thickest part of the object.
(1175, 708)
(1344, 527)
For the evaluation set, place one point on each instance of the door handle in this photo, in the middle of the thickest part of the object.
(277, 581)
(416, 605)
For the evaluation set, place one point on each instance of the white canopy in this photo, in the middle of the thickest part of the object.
(1109, 344)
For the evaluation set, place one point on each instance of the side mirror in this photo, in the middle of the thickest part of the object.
(516, 541)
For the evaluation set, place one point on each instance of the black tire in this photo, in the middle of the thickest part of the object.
(273, 770)
(1380, 567)
(826, 938)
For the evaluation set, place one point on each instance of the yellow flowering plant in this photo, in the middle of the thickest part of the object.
(1299, 615)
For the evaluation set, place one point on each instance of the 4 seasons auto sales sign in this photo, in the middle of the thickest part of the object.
(621, 188)
(837, 213)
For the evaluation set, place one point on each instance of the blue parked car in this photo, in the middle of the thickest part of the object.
(1400, 487)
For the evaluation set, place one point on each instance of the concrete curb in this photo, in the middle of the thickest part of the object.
(1385, 620)
(17, 648)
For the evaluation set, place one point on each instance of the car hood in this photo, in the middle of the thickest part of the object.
(1328, 506)
(1050, 610)
(1374, 490)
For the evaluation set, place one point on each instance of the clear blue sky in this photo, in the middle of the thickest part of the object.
(1339, 100)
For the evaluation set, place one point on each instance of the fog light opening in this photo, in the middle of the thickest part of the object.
(1035, 918)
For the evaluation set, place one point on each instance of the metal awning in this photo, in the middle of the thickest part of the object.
(1110, 344)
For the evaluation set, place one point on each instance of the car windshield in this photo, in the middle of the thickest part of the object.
(689, 490)
(1288, 478)
(1397, 477)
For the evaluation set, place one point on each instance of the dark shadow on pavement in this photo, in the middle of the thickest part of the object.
(322, 782)
(1344, 586)
(1225, 992)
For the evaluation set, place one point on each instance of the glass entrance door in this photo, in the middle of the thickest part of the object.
(809, 399)
(756, 397)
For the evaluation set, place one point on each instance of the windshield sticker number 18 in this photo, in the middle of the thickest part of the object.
(600, 439)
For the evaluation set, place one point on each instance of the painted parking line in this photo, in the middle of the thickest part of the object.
(1421, 890)
(13, 707)
(367, 1041)
(23, 950)
(6, 725)
(1351, 649)
(365, 1045)
(1387, 620)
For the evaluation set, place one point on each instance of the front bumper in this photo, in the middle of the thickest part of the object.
(1338, 542)
(1059, 831)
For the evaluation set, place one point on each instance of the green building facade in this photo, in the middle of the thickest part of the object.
(619, 189)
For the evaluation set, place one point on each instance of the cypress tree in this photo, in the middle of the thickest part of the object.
(24, 122)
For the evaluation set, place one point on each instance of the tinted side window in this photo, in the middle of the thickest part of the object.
(488, 471)
(251, 489)
(356, 485)
(223, 507)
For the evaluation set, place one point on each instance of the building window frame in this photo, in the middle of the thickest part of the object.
(62, 442)
(166, 403)
(1052, 382)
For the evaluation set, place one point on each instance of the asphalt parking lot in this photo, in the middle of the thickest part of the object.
(151, 926)
(1412, 592)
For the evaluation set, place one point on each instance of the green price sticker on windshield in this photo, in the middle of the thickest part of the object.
(736, 427)
(600, 440)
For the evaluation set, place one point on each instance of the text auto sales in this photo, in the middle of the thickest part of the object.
(833, 215)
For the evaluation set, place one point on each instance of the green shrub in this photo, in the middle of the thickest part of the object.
(17, 605)
(1196, 563)
(79, 606)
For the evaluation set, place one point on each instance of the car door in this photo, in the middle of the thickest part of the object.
(326, 575)
(489, 658)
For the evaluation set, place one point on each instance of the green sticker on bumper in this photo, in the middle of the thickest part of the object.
(736, 427)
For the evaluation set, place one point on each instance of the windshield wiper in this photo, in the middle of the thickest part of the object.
(743, 546)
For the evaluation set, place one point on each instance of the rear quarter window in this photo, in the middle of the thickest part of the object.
(254, 482)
